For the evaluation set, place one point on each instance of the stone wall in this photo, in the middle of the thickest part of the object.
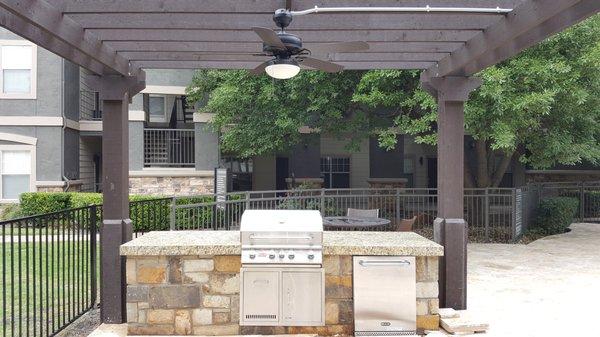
(180, 186)
(199, 295)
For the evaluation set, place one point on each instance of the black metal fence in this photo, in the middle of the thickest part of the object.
(49, 271)
(49, 265)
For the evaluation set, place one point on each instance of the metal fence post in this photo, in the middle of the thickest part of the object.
(513, 225)
(323, 202)
(487, 213)
(247, 200)
(93, 252)
(173, 210)
(397, 207)
(581, 201)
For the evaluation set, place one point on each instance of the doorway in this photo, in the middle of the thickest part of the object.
(282, 168)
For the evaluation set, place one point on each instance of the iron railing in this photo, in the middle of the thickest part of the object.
(49, 265)
(169, 148)
(49, 268)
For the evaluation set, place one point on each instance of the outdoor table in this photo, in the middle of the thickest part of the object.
(346, 223)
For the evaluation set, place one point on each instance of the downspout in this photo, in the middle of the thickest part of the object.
(64, 128)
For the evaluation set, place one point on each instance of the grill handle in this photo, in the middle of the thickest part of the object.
(373, 263)
(258, 237)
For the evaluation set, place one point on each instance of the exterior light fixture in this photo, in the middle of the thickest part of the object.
(282, 68)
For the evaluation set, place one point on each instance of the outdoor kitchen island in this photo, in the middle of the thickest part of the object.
(188, 282)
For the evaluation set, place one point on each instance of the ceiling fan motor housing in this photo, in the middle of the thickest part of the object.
(282, 18)
(292, 42)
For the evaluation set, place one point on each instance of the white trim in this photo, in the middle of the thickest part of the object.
(33, 93)
(164, 90)
(71, 124)
(90, 126)
(170, 172)
(32, 171)
(31, 121)
(137, 115)
(59, 183)
(11, 137)
(203, 117)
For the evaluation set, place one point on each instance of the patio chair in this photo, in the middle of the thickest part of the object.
(363, 213)
(406, 225)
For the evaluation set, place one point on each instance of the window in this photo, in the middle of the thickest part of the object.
(157, 108)
(335, 172)
(15, 173)
(241, 172)
(18, 69)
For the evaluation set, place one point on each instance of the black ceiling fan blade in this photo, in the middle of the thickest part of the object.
(340, 47)
(326, 66)
(269, 37)
(259, 69)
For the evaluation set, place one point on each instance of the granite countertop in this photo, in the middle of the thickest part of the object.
(228, 243)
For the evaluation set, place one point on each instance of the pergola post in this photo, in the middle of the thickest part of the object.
(450, 227)
(115, 92)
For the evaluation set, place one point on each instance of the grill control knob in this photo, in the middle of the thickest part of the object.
(291, 256)
(281, 255)
(311, 256)
(271, 256)
(252, 256)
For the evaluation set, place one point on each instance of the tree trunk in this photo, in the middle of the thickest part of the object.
(481, 152)
(501, 169)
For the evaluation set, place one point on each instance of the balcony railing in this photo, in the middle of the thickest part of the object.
(168, 148)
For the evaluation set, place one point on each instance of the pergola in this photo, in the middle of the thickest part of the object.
(116, 40)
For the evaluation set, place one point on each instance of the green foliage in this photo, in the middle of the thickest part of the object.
(44, 202)
(9, 211)
(554, 215)
(542, 106)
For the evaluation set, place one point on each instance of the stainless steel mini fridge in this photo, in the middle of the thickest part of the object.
(385, 296)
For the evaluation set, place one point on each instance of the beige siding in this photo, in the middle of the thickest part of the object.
(359, 161)
(264, 173)
(413, 151)
(87, 148)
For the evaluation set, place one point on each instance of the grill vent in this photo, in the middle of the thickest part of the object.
(385, 333)
(261, 316)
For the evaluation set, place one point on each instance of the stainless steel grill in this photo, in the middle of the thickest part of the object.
(276, 237)
(282, 279)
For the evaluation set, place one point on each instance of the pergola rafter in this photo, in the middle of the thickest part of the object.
(118, 39)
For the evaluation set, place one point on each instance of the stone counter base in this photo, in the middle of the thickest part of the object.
(199, 295)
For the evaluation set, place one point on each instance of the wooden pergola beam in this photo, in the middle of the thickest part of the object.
(519, 22)
(308, 36)
(265, 6)
(239, 21)
(364, 65)
(49, 19)
(47, 41)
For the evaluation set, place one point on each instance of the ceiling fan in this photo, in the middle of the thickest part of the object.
(287, 53)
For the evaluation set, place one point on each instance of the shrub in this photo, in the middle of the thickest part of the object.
(44, 202)
(554, 215)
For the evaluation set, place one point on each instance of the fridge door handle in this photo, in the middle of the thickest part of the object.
(386, 263)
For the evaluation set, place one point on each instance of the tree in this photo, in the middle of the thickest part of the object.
(541, 107)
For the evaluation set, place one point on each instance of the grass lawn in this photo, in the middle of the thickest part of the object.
(44, 285)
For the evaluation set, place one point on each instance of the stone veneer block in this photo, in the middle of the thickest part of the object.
(332, 312)
(217, 330)
(427, 289)
(235, 308)
(175, 273)
(196, 277)
(198, 265)
(216, 301)
(427, 268)
(331, 264)
(220, 317)
(223, 284)
(183, 322)
(132, 312)
(338, 286)
(160, 316)
(130, 271)
(202, 316)
(228, 263)
(156, 329)
(137, 293)
(174, 296)
(428, 322)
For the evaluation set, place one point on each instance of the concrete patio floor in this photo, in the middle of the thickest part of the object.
(550, 287)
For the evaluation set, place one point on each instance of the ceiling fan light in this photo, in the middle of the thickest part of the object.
(282, 69)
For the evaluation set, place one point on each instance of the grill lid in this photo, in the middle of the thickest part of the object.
(281, 221)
